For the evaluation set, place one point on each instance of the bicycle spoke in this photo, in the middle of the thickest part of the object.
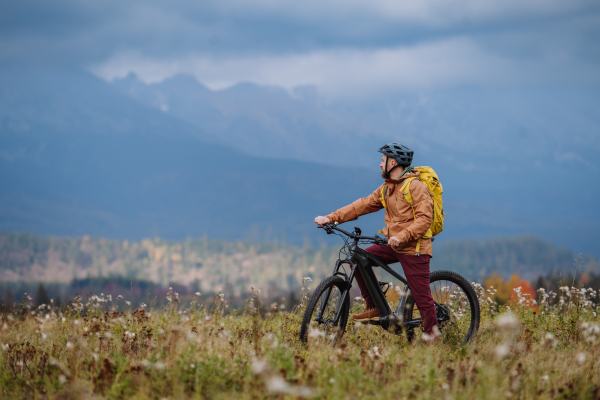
(451, 296)
(453, 309)
(324, 326)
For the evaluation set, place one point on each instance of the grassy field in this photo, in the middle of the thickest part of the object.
(185, 351)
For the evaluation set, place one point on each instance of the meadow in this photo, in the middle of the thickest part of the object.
(99, 347)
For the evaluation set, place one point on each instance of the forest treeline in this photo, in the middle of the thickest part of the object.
(145, 268)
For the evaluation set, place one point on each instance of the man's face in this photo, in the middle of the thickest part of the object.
(391, 164)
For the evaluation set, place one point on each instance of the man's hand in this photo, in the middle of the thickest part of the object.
(322, 220)
(393, 241)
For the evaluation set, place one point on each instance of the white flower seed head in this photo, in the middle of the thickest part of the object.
(276, 384)
(507, 323)
(259, 366)
(502, 350)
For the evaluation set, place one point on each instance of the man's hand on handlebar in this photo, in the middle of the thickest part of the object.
(322, 220)
(393, 241)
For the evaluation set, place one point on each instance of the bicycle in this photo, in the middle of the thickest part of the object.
(456, 304)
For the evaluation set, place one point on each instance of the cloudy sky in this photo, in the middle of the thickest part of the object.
(344, 47)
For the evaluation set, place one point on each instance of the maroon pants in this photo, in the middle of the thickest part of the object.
(416, 269)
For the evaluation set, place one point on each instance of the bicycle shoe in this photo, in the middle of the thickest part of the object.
(369, 315)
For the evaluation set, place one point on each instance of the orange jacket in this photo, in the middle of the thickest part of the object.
(399, 218)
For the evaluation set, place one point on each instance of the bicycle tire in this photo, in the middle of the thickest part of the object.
(468, 291)
(332, 282)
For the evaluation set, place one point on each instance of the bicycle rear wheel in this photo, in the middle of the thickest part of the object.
(327, 297)
(457, 308)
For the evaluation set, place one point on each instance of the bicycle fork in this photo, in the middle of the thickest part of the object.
(327, 293)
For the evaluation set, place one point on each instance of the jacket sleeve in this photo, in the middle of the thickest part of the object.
(363, 206)
(423, 206)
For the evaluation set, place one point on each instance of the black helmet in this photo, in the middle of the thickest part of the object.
(402, 154)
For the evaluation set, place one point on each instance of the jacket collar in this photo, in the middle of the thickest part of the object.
(399, 181)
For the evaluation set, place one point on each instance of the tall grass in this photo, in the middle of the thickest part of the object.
(524, 350)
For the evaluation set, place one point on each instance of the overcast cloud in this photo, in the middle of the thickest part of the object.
(344, 47)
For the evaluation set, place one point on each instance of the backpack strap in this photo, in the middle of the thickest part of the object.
(382, 196)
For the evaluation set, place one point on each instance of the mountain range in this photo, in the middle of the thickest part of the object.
(128, 160)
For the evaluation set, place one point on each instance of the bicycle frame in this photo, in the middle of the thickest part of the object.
(360, 260)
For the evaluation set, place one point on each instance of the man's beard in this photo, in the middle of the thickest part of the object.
(384, 174)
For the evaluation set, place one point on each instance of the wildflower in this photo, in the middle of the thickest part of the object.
(62, 379)
(259, 366)
(119, 297)
(128, 303)
(315, 333)
(4, 347)
(159, 365)
(276, 384)
(44, 336)
(76, 322)
(197, 294)
(502, 350)
(332, 380)
(376, 351)
(581, 358)
(549, 340)
(69, 345)
(428, 338)
(507, 323)
(95, 356)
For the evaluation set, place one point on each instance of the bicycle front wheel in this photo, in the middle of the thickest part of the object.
(457, 308)
(326, 314)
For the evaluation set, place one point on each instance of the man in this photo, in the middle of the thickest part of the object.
(404, 229)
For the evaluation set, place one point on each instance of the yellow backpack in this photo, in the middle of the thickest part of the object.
(428, 176)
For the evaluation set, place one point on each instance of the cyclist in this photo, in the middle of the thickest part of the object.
(403, 230)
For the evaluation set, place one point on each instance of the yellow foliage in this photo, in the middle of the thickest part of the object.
(504, 288)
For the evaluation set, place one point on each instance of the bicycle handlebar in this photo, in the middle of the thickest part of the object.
(329, 228)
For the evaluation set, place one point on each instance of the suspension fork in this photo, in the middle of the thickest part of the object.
(328, 293)
(346, 293)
